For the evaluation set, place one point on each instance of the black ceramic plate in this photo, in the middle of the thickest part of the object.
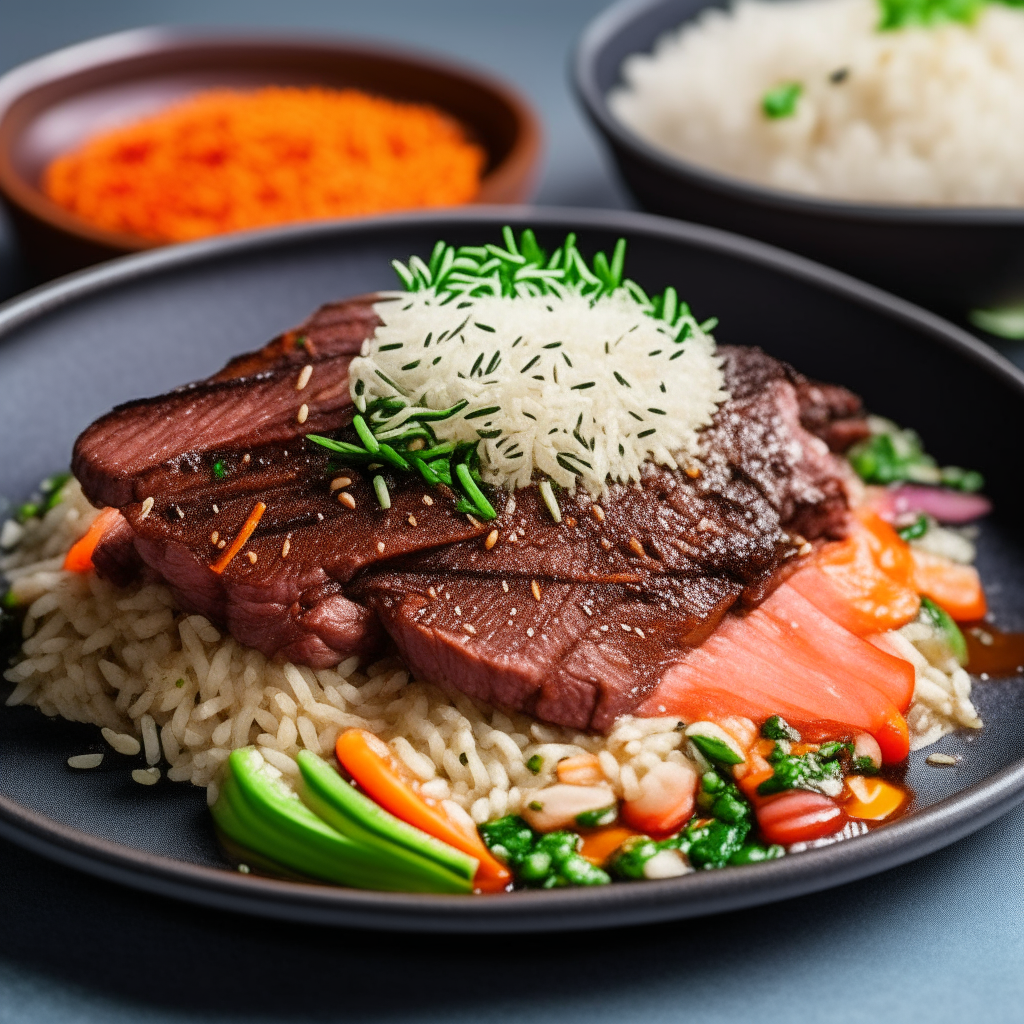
(141, 325)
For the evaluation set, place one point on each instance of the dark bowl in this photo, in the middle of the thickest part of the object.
(55, 103)
(147, 323)
(951, 259)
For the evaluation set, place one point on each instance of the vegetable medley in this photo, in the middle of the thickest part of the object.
(367, 825)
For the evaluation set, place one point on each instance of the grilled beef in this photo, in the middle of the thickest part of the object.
(574, 622)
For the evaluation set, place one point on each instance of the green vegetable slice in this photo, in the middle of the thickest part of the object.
(260, 812)
(354, 814)
(715, 749)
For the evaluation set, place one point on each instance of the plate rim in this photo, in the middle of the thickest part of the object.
(916, 835)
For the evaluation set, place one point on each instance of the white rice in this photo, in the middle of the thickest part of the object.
(921, 115)
(159, 681)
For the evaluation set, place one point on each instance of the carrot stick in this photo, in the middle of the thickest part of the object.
(368, 760)
(79, 556)
(957, 588)
(243, 535)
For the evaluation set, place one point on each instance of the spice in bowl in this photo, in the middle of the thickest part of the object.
(226, 161)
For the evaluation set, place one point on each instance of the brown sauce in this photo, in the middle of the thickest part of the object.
(992, 652)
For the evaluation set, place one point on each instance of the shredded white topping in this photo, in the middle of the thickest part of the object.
(579, 390)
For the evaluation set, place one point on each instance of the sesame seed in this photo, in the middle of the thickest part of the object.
(246, 457)
(597, 512)
(604, 629)
(286, 547)
(147, 507)
(320, 516)
(636, 547)
(347, 500)
(587, 610)
(639, 632)
(529, 632)
(510, 622)
(628, 629)
(303, 413)
(535, 587)
(458, 610)
(177, 508)
(427, 499)
(492, 539)
(252, 557)
(432, 592)
(447, 596)
(661, 708)
(307, 372)
(222, 544)
(606, 544)
(214, 537)
(380, 547)
(216, 508)
(513, 611)
(472, 519)
(504, 585)
(693, 472)
(340, 481)
(469, 629)
(412, 520)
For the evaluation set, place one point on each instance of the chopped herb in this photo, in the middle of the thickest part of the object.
(381, 490)
(819, 772)
(535, 763)
(540, 861)
(180, 683)
(536, 805)
(943, 621)
(918, 528)
(463, 758)
(777, 728)
(715, 749)
(595, 819)
(780, 101)
(219, 472)
(897, 14)
(892, 455)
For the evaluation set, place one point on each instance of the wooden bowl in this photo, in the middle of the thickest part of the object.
(53, 104)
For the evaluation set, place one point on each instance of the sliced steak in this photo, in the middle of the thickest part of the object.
(574, 622)
(577, 622)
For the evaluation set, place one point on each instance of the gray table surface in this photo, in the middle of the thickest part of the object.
(935, 941)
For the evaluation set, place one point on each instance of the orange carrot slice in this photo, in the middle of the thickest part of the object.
(957, 588)
(243, 535)
(599, 846)
(79, 556)
(848, 586)
(369, 761)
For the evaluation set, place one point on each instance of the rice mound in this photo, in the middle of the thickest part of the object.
(127, 660)
(916, 115)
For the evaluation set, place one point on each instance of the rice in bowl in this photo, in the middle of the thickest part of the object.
(812, 96)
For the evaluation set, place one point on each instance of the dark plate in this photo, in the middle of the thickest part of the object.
(57, 102)
(948, 258)
(141, 325)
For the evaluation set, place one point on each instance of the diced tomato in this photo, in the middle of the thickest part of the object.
(957, 588)
(798, 817)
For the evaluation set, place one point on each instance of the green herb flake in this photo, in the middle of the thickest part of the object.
(535, 764)
(918, 528)
(780, 101)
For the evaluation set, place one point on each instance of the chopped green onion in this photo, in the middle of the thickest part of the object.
(548, 495)
(381, 490)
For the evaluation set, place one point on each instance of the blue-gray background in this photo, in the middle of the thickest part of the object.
(937, 941)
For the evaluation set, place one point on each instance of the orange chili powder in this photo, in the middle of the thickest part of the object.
(225, 161)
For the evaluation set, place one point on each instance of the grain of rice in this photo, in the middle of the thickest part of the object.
(83, 761)
(122, 742)
(146, 776)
